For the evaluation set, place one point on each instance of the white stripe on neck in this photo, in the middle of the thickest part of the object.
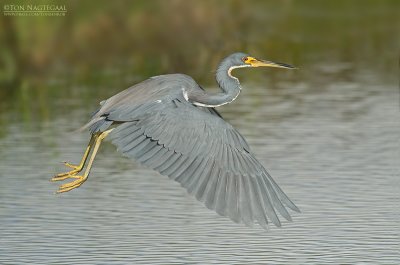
(234, 67)
(217, 105)
(185, 95)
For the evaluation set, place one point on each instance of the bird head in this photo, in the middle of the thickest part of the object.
(244, 60)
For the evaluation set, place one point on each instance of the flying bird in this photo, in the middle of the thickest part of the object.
(170, 124)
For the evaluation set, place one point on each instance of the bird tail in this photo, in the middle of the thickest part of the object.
(89, 124)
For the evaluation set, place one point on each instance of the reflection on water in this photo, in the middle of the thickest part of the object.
(332, 149)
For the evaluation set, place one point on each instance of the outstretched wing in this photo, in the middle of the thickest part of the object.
(205, 154)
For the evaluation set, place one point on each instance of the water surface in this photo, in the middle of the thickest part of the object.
(334, 150)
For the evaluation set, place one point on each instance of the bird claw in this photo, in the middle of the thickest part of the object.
(69, 174)
(72, 185)
(70, 165)
(66, 175)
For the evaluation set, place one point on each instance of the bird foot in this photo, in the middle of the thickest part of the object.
(73, 184)
(69, 174)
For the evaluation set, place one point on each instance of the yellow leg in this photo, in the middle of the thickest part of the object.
(78, 168)
(81, 179)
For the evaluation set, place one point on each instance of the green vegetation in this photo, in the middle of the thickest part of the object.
(100, 46)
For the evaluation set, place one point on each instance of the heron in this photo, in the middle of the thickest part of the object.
(169, 123)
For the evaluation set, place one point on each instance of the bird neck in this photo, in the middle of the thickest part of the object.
(229, 85)
(227, 82)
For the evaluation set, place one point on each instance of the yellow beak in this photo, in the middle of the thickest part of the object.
(259, 63)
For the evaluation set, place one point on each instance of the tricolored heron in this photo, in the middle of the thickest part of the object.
(169, 124)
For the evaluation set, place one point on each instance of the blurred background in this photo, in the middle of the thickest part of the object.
(99, 48)
(327, 132)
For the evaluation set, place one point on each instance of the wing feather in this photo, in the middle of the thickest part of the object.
(211, 189)
(203, 180)
(157, 158)
(244, 201)
(206, 155)
(167, 163)
(220, 200)
(233, 199)
(261, 216)
(191, 183)
(269, 209)
(146, 157)
(181, 162)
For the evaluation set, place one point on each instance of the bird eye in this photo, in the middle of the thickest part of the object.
(244, 59)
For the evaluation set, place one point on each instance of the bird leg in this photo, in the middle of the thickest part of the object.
(81, 179)
(78, 168)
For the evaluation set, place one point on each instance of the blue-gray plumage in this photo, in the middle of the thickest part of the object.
(169, 124)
